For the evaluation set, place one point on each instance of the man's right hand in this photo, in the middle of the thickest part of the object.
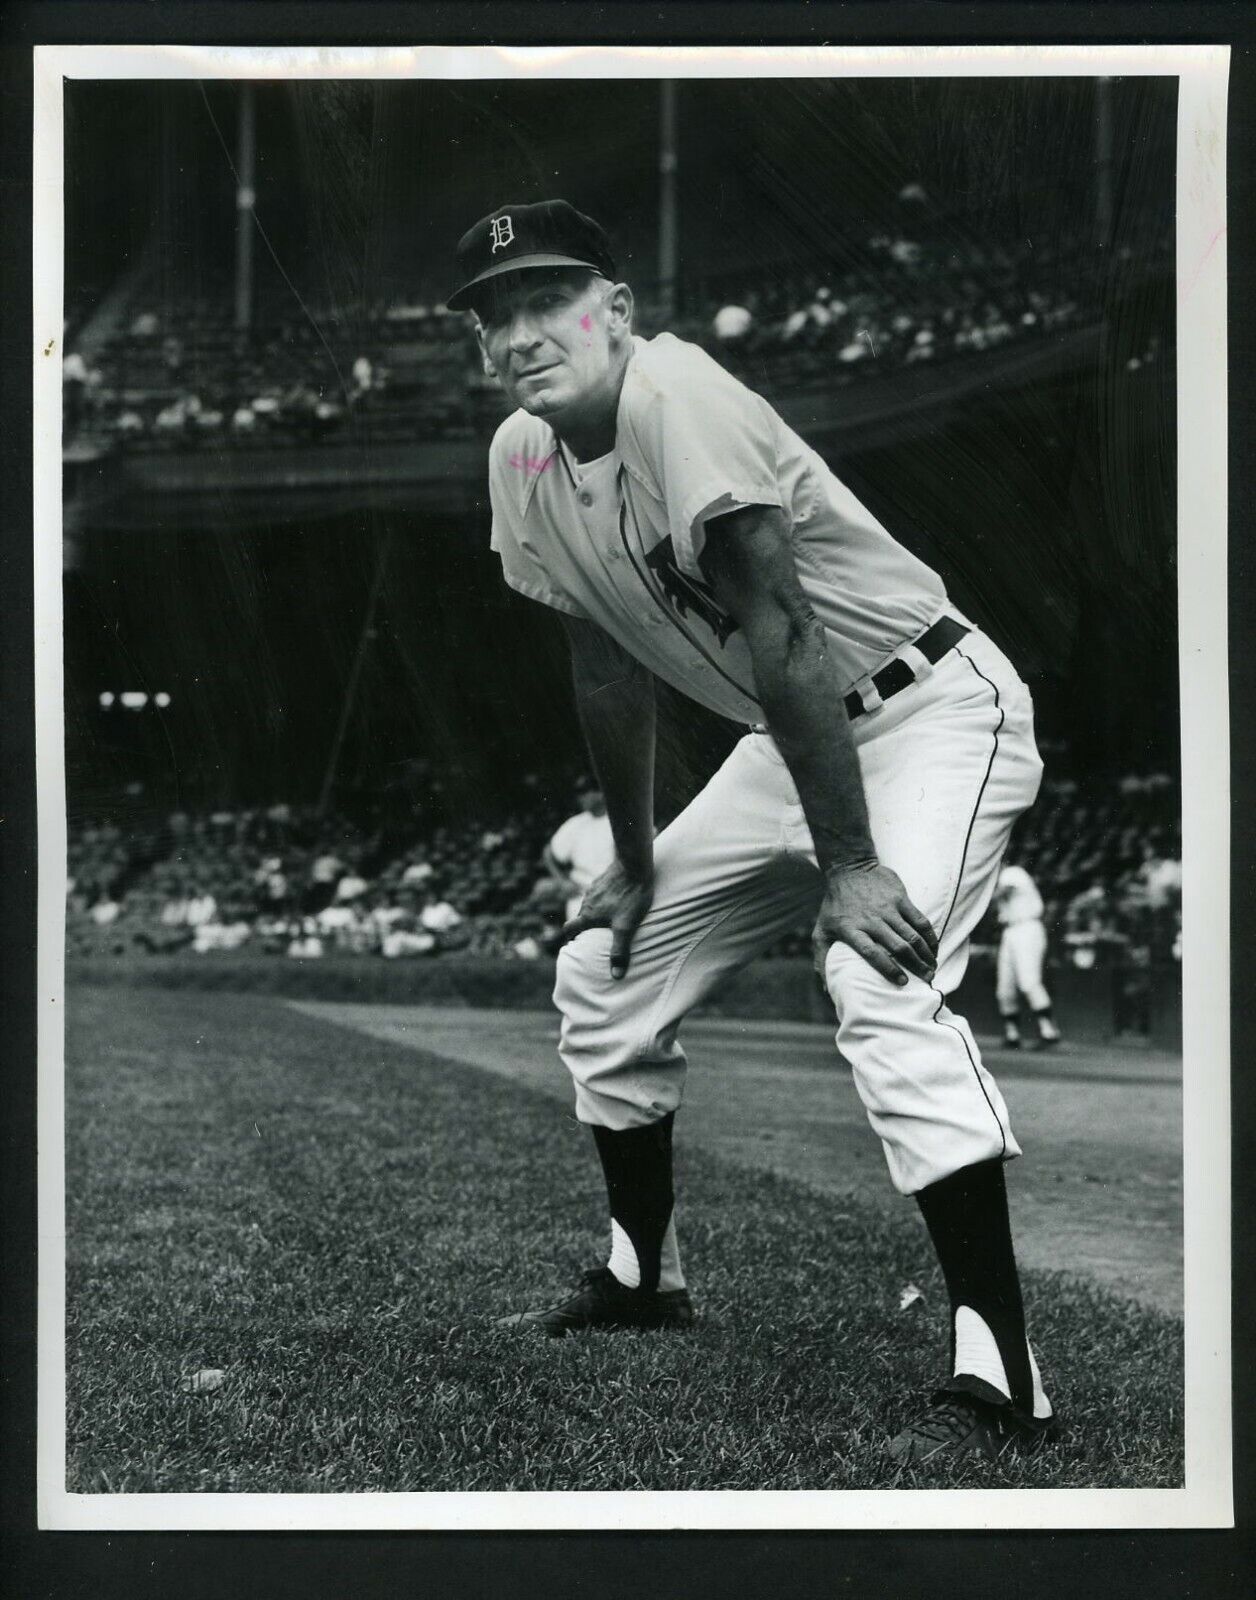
(618, 900)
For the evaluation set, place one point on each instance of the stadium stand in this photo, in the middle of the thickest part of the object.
(174, 375)
(289, 881)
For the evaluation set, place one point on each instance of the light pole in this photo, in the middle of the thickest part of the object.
(245, 198)
(667, 197)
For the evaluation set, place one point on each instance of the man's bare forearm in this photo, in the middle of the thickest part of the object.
(615, 703)
(806, 714)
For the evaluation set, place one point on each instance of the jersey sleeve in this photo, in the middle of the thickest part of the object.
(522, 566)
(711, 445)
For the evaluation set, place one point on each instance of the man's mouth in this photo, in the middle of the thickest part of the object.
(535, 372)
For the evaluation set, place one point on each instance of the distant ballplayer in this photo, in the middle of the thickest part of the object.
(581, 849)
(682, 530)
(1022, 951)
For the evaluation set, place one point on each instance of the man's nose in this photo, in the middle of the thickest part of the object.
(523, 332)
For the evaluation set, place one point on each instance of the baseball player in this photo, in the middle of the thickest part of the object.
(683, 531)
(581, 849)
(1022, 949)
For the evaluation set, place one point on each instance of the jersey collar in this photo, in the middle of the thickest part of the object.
(537, 468)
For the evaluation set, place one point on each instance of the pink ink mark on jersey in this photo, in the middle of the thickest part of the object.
(532, 464)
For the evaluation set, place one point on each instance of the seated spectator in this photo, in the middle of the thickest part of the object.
(438, 916)
(105, 911)
(732, 323)
(406, 942)
(200, 907)
(326, 871)
(1162, 880)
(351, 887)
(220, 936)
(335, 918)
(174, 913)
(305, 944)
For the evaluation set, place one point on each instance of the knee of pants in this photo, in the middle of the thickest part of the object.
(604, 1019)
(626, 1068)
(866, 1003)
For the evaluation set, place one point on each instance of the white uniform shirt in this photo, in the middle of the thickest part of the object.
(1018, 897)
(584, 846)
(621, 547)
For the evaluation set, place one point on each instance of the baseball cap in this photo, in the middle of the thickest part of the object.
(548, 233)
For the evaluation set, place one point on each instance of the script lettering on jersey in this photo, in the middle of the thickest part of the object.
(686, 593)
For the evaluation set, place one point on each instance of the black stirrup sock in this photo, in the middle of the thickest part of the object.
(966, 1215)
(638, 1167)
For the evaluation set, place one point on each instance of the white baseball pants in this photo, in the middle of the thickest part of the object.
(948, 765)
(1022, 950)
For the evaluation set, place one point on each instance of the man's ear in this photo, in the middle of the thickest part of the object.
(619, 311)
(490, 371)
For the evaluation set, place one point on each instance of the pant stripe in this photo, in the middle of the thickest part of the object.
(959, 879)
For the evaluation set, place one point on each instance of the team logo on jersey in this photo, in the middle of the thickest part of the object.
(502, 232)
(686, 593)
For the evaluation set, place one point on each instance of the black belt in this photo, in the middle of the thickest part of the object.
(933, 644)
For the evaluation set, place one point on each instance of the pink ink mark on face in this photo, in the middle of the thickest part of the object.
(532, 464)
(586, 322)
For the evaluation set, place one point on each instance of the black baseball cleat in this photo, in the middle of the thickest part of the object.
(958, 1424)
(601, 1301)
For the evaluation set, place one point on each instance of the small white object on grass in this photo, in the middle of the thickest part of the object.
(908, 1296)
(205, 1381)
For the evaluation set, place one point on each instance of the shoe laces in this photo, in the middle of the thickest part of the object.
(600, 1279)
(945, 1421)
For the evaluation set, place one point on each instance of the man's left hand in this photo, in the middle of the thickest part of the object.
(866, 907)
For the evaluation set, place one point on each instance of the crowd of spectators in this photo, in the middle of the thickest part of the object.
(291, 881)
(295, 881)
(179, 375)
(907, 304)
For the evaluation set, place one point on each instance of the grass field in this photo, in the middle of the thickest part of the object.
(333, 1221)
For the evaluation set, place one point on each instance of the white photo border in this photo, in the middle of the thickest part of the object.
(1206, 1500)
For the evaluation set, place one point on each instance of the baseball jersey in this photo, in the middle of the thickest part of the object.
(617, 541)
(584, 846)
(1017, 896)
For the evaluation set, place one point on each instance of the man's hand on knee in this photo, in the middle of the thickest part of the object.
(866, 907)
(618, 900)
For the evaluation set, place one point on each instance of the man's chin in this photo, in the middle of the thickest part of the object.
(544, 403)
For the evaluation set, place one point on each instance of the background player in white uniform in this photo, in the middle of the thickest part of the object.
(1022, 950)
(684, 531)
(582, 848)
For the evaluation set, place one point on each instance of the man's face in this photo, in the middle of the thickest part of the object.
(552, 337)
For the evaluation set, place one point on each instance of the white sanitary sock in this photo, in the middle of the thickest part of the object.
(624, 1264)
(977, 1356)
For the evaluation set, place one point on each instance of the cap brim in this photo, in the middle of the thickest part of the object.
(461, 298)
